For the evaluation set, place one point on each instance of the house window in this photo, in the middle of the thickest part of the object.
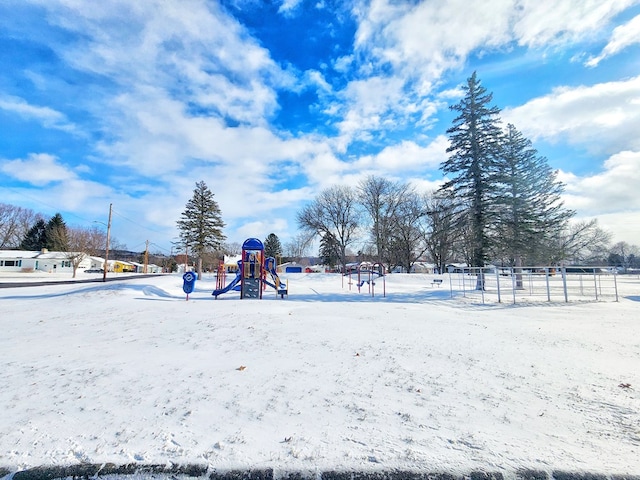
(66, 264)
(11, 263)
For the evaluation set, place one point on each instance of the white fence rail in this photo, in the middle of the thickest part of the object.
(511, 284)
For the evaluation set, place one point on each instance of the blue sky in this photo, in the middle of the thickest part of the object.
(131, 103)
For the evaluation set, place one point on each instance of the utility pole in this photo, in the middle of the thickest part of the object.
(106, 250)
(146, 258)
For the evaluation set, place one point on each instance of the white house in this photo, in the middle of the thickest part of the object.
(96, 263)
(18, 261)
(151, 268)
(44, 261)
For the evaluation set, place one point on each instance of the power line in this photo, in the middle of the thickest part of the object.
(136, 223)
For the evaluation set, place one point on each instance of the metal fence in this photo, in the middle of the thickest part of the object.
(511, 284)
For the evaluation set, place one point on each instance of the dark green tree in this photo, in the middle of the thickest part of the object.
(200, 225)
(35, 238)
(329, 251)
(57, 238)
(272, 246)
(475, 141)
(529, 209)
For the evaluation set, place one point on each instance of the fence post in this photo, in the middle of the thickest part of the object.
(498, 281)
(546, 274)
(464, 286)
(595, 282)
(564, 283)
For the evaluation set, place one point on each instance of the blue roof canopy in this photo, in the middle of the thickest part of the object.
(252, 244)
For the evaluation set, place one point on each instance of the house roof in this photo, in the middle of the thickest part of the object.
(232, 259)
(18, 254)
(35, 254)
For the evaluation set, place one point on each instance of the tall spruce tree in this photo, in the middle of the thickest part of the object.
(201, 224)
(272, 246)
(329, 251)
(57, 238)
(35, 238)
(471, 167)
(530, 210)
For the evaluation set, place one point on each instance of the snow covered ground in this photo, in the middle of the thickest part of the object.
(325, 379)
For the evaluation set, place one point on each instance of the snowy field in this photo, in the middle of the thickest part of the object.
(326, 379)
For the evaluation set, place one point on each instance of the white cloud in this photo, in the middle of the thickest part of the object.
(416, 39)
(262, 228)
(605, 117)
(190, 50)
(422, 40)
(613, 189)
(425, 186)
(404, 48)
(288, 7)
(406, 156)
(539, 23)
(622, 37)
(38, 169)
(367, 101)
(427, 38)
(625, 226)
(379, 103)
(54, 182)
(49, 117)
(611, 195)
(343, 64)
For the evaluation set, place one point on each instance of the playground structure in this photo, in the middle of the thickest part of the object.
(251, 277)
(367, 273)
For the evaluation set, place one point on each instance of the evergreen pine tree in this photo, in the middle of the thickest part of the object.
(56, 234)
(530, 210)
(35, 238)
(272, 246)
(201, 224)
(471, 167)
(329, 250)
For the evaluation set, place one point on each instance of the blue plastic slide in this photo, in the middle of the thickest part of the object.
(231, 285)
(270, 266)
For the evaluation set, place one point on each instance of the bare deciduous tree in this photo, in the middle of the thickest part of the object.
(441, 237)
(580, 242)
(408, 231)
(382, 198)
(334, 211)
(15, 222)
(82, 243)
(623, 255)
(298, 246)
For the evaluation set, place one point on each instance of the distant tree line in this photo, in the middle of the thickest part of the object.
(500, 203)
